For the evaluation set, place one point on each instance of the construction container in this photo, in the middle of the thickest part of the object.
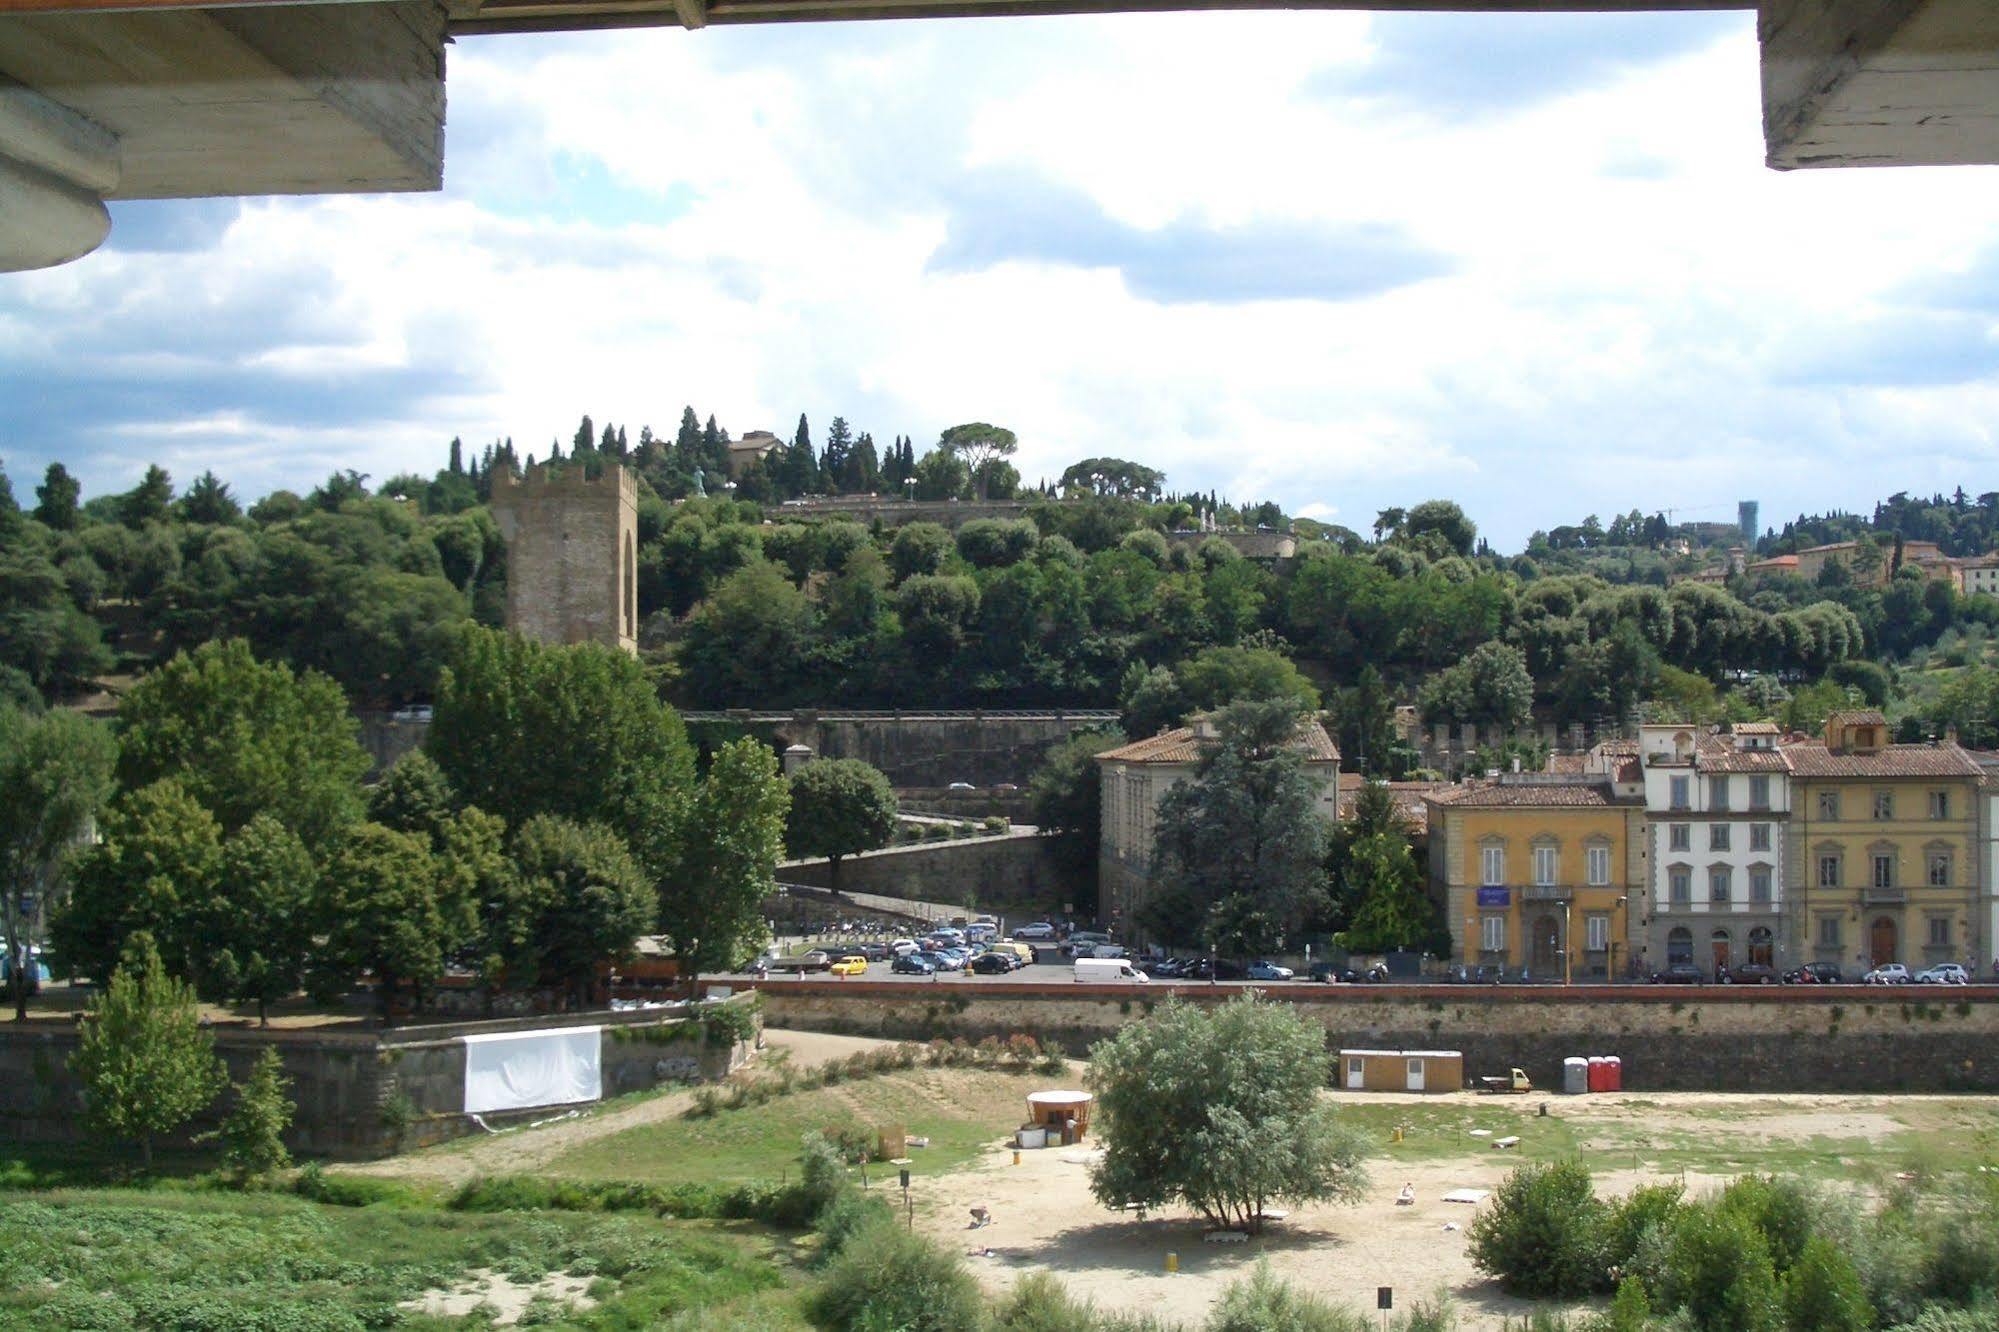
(1575, 1075)
(1402, 1070)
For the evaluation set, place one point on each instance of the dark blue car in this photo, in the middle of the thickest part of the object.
(909, 964)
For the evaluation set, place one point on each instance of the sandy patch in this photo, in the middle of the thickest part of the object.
(508, 1298)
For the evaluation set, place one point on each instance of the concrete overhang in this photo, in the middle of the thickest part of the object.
(152, 99)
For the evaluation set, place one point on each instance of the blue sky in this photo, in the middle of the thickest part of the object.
(1532, 263)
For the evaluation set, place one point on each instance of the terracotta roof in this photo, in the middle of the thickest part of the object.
(1548, 795)
(1810, 758)
(1630, 771)
(1181, 746)
(1856, 717)
(1757, 728)
(1615, 747)
(1716, 754)
(1408, 797)
(1571, 765)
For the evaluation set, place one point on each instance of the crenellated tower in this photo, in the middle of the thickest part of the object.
(572, 554)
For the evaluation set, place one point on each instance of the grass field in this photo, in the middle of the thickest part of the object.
(123, 1259)
(959, 1110)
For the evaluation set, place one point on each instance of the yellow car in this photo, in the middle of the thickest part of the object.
(850, 966)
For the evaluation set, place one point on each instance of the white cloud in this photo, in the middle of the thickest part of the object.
(745, 220)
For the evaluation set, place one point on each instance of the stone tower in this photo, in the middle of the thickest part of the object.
(572, 554)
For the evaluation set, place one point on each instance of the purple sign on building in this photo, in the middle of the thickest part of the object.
(1495, 897)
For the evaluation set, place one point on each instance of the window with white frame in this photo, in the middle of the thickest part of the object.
(1939, 804)
(1884, 871)
(1596, 933)
(1759, 837)
(1884, 805)
(1597, 859)
(1939, 869)
(1720, 885)
(1544, 865)
(1759, 792)
(1680, 883)
(1717, 793)
(1492, 865)
(1680, 788)
(1492, 934)
(1717, 837)
(1679, 837)
(1829, 804)
(1759, 884)
(1829, 871)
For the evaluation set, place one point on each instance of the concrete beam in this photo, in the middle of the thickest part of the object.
(1880, 82)
(55, 167)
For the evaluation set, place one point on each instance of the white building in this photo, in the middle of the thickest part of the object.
(1715, 810)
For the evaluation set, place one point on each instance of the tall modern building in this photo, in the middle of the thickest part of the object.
(1745, 518)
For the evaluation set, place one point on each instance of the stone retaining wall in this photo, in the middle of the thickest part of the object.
(1927, 1038)
(364, 1093)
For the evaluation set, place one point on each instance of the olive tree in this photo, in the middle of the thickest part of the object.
(1218, 1107)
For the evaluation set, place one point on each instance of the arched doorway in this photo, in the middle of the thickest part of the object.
(1881, 941)
(1718, 945)
(1680, 946)
(1547, 952)
(1762, 949)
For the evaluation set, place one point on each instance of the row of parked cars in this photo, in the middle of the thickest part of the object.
(1213, 968)
(1811, 973)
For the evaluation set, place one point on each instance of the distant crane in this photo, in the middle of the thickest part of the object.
(1694, 508)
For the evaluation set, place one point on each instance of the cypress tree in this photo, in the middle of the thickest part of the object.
(457, 464)
(586, 434)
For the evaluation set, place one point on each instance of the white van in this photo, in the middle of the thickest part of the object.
(1109, 970)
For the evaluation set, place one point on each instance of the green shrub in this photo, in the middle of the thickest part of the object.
(1823, 1293)
(994, 823)
(822, 1171)
(1039, 1303)
(885, 1279)
(1962, 1262)
(1647, 1209)
(1629, 1311)
(1936, 1318)
(850, 1212)
(253, 1137)
(1436, 1314)
(1544, 1233)
(1720, 1272)
(1780, 1209)
(1264, 1302)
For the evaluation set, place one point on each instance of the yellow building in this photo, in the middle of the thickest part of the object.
(1538, 875)
(1884, 845)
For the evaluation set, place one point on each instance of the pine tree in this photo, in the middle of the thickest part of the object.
(58, 495)
(833, 463)
(145, 1063)
(253, 1137)
(688, 442)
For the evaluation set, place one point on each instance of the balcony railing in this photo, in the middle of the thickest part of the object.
(1547, 892)
(1876, 895)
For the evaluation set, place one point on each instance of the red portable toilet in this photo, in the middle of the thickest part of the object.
(1599, 1077)
(1613, 1073)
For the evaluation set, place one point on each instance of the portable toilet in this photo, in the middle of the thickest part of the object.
(1575, 1075)
(1599, 1074)
(1613, 1072)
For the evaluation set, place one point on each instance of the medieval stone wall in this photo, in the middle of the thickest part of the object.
(572, 554)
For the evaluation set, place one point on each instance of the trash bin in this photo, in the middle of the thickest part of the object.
(1613, 1072)
(1575, 1075)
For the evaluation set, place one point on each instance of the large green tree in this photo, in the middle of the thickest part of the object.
(1241, 844)
(838, 807)
(55, 775)
(250, 934)
(246, 737)
(713, 912)
(146, 1064)
(158, 853)
(1218, 1107)
(378, 913)
(1065, 797)
(524, 728)
(1380, 880)
(590, 900)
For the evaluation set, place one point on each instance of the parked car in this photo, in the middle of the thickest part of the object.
(911, 964)
(899, 947)
(991, 964)
(1888, 973)
(851, 965)
(1750, 973)
(1944, 973)
(1039, 930)
(1166, 968)
(1814, 973)
(1214, 969)
(1679, 973)
(1266, 970)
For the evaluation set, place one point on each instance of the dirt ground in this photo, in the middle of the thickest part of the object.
(1044, 1218)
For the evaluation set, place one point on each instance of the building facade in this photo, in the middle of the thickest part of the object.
(1537, 873)
(1715, 813)
(572, 554)
(1135, 777)
(1884, 850)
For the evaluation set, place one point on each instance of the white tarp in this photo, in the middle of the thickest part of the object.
(521, 1070)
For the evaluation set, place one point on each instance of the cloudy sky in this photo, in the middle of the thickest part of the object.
(1342, 261)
